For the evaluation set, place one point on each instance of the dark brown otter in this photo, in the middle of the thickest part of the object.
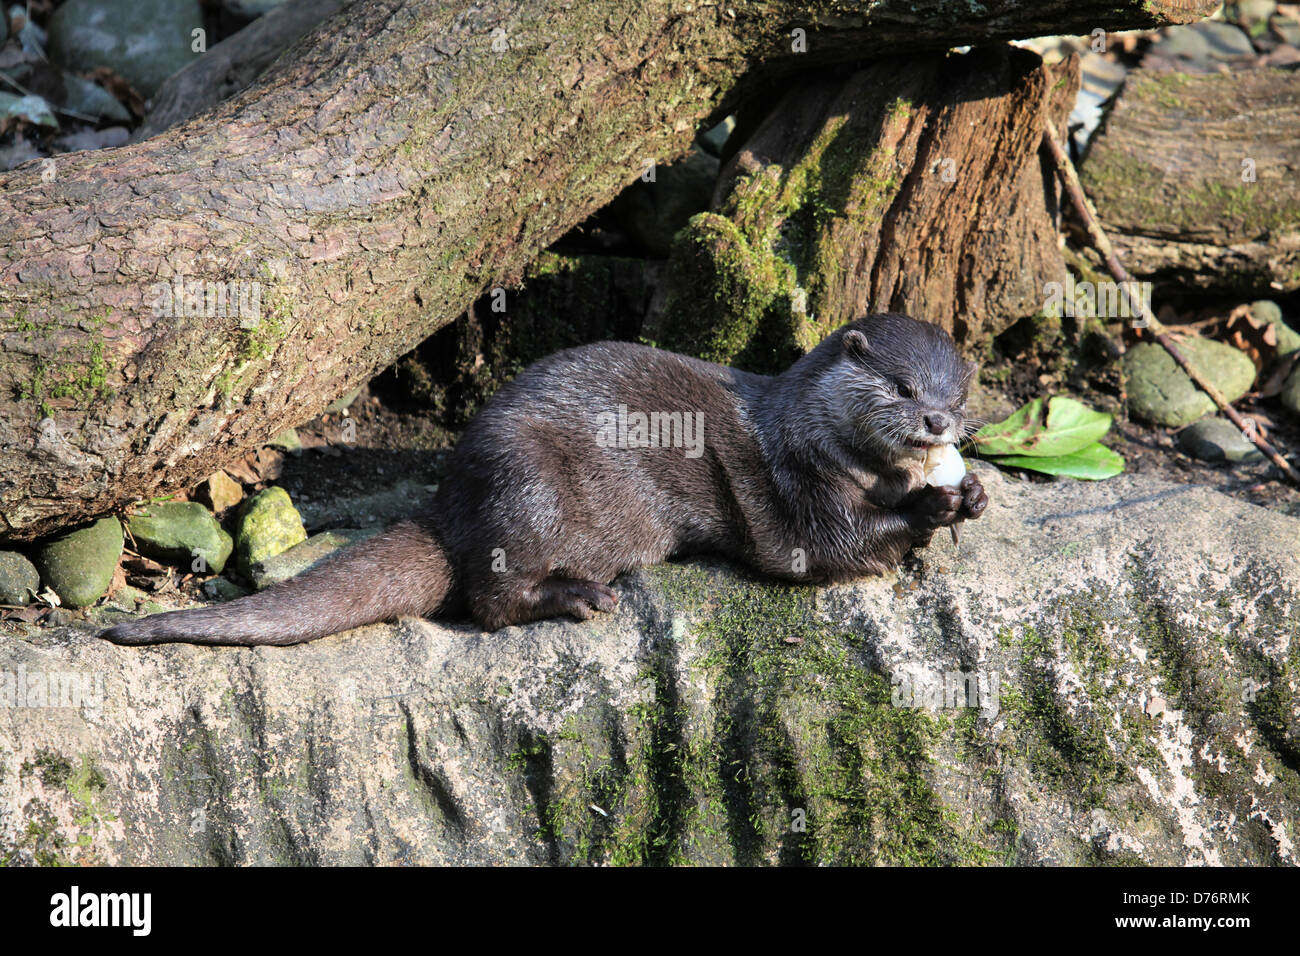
(556, 487)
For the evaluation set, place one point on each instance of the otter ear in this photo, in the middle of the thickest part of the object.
(855, 344)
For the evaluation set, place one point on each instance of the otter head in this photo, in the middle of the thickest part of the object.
(903, 383)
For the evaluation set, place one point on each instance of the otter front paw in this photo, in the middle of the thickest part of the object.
(937, 506)
(973, 498)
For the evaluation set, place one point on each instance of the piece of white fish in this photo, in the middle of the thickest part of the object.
(943, 467)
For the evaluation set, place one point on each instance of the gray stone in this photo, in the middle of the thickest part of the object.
(714, 139)
(1141, 637)
(223, 589)
(79, 566)
(1251, 15)
(1217, 439)
(251, 8)
(1161, 392)
(1225, 41)
(268, 525)
(31, 108)
(1291, 392)
(1286, 28)
(1183, 41)
(91, 99)
(300, 557)
(19, 579)
(181, 532)
(142, 41)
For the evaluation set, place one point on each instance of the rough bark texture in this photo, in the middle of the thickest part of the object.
(409, 154)
(912, 185)
(1142, 638)
(1170, 175)
(233, 64)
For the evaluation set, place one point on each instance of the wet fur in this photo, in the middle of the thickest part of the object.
(816, 462)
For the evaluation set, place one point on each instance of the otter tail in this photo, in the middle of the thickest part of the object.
(401, 571)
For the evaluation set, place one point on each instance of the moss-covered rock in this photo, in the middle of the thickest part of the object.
(1106, 672)
(1162, 393)
(181, 531)
(268, 525)
(79, 566)
(19, 579)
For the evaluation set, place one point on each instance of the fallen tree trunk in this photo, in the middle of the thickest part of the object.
(1196, 178)
(912, 185)
(359, 196)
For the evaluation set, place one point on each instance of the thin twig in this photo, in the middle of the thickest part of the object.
(1070, 179)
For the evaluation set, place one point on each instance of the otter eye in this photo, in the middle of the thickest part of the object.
(904, 390)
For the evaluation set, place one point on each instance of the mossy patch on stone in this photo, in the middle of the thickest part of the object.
(1162, 393)
(19, 579)
(268, 525)
(181, 531)
(79, 566)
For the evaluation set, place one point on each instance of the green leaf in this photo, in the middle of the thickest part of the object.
(1092, 462)
(1068, 427)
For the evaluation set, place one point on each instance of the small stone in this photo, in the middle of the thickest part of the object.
(714, 140)
(300, 557)
(269, 525)
(142, 41)
(1217, 439)
(287, 440)
(1225, 41)
(19, 579)
(223, 589)
(1162, 393)
(128, 597)
(79, 566)
(1291, 392)
(343, 402)
(250, 8)
(220, 492)
(181, 532)
(91, 99)
(1184, 42)
(1286, 28)
(1288, 339)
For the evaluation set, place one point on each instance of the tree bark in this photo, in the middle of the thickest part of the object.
(912, 185)
(1196, 178)
(410, 155)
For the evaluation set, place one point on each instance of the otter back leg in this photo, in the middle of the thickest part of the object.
(552, 597)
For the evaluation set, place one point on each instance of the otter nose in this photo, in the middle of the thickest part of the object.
(937, 422)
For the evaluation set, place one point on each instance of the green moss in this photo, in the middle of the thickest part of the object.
(798, 756)
(767, 267)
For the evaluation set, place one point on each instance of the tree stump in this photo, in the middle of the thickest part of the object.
(911, 185)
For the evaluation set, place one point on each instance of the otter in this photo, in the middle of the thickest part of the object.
(608, 457)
